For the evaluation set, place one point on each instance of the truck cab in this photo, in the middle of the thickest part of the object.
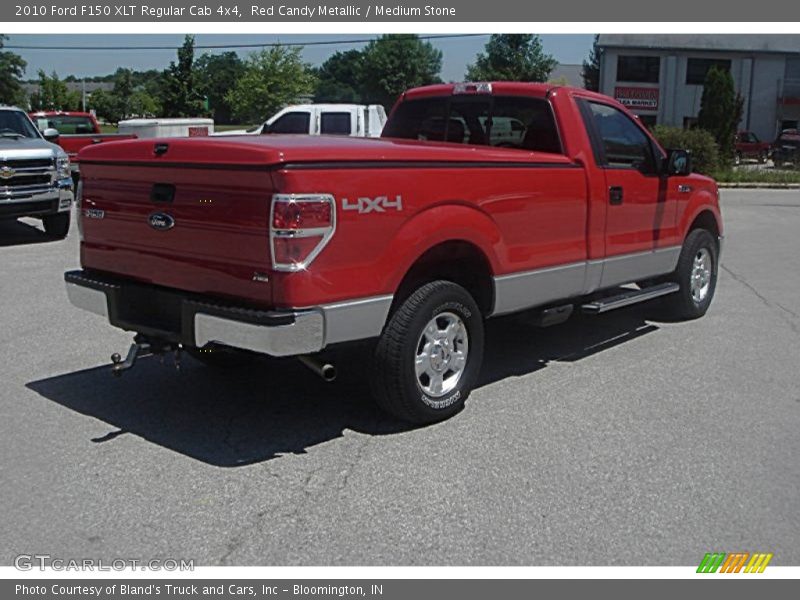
(354, 120)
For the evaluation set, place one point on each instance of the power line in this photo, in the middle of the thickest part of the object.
(224, 46)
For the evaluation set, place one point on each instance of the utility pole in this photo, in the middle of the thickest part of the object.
(83, 95)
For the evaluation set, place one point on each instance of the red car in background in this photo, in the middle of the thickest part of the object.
(786, 150)
(749, 146)
(76, 130)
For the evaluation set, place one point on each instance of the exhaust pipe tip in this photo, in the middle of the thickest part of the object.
(325, 370)
(328, 372)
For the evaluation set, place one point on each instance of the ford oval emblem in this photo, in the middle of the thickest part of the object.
(161, 221)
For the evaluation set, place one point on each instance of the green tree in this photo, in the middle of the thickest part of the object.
(125, 100)
(216, 75)
(591, 67)
(12, 68)
(123, 93)
(53, 94)
(512, 57)
(272, 78)
(104, 104)
(181, 97)
(393, 63)
(720, 110)
(339, 78)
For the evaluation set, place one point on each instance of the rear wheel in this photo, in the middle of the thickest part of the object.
(762, 158)
(737, 159)
(57, 225)
(696, 274)
(429, 356)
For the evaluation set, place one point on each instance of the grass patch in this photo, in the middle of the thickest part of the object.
(108, 128)
(757, 176)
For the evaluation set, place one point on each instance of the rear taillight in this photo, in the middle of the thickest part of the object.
(300, 225)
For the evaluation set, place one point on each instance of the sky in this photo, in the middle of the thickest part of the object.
(457, 52)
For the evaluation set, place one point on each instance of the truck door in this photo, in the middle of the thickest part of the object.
(641, 210)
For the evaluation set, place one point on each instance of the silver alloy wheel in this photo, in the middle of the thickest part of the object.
(700, 281)
(442, 351)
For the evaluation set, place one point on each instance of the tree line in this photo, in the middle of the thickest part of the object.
(248, 90)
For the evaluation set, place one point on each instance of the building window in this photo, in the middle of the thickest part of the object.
(638, 69)
(698, 68)
(689, 122)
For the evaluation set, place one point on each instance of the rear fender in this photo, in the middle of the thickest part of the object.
(439, 224)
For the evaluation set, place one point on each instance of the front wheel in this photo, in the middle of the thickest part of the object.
(696, 274)
(429, 355)
(56, 226)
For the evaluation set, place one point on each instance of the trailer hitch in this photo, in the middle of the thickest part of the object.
(141, 348)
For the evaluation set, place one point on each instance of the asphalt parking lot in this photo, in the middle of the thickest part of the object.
(605, 441)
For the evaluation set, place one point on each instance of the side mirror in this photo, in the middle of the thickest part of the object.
(50, 134)
(679, 162)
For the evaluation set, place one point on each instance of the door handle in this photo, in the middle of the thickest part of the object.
(615, 195)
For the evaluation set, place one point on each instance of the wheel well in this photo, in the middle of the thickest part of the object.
(705, 220)
(457, 261)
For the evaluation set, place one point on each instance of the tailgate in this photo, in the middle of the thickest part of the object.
(195, 227)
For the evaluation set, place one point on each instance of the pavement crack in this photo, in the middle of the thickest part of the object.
(352, 464)
(780, 310)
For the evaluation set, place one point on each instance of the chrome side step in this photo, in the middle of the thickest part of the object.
(629, 297)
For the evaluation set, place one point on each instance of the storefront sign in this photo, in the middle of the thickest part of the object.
(637, 97)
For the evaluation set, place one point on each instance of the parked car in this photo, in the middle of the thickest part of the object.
(748, 146)
(170, 127)
(355, 120)
(75, 130)
(34, 173)
(289, 245)
(786, 149)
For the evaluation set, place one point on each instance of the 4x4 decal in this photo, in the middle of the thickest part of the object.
(378, 204)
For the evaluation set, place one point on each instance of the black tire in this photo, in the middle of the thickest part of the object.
(57, 226)
(394, 381)
(682, 305)
(737, 159)
(763, 157)
(220, 357)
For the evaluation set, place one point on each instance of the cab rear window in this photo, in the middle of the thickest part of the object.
(499, 121)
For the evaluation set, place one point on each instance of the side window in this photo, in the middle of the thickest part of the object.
(623, 143)
(292, 122)
(335, 123)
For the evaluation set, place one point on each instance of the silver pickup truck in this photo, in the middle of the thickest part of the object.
(35, 179)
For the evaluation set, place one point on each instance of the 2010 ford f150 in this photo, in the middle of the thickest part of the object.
(286, 245)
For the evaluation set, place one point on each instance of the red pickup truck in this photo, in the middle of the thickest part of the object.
(287, 245)
(75, 131)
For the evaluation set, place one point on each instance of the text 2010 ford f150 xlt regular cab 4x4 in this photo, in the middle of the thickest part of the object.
(286, 245)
